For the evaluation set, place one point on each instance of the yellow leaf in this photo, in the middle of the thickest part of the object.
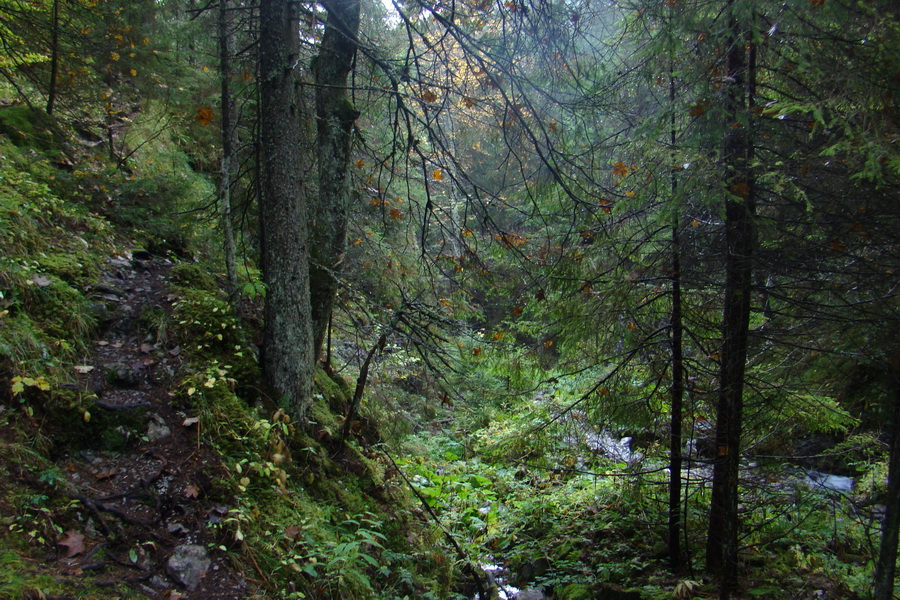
(695, 223)
(437, 175)
(630, 194)
(133, 72)
(17, 388)
(360, 164)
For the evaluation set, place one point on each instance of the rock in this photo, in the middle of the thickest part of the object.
(159, 582)
(157, 430)
(121, 375)
(188, 565)
(530, 594)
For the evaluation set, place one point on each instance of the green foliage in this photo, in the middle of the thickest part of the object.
(31, 128)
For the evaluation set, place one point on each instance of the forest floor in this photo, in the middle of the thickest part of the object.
(144, 512)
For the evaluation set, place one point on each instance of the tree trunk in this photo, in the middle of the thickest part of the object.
(54, 59)
(722, 539)
(885, 568)
(287, 349)
(335, 116)
(229, 143)
(677, 392)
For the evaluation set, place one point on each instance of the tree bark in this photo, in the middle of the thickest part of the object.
(722, 538)
(229, 143)
(287, 349)
(54, 60)
(885, 568)
(335, 116)
(677, 391)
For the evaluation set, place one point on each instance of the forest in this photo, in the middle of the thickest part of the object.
(449, 299)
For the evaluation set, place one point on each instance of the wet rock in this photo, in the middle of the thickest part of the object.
(188, 565)
(121, 375)
(157, 429)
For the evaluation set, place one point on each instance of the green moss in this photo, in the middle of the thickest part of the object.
(193, 276)
(574, 591)
(32, 128)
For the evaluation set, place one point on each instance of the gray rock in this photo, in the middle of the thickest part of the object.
(121, 375)
(531, 594)
(188, 565)
(157, 429)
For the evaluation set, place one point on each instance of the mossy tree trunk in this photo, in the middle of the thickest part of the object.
(335, 117)
(287, 350)
(229, 144)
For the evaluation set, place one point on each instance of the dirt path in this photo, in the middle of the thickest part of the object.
(142, 482)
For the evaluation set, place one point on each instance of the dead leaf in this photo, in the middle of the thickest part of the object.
(83, 369)
(291, 532)
(190, 421)
(147, 348)
(175, 351)
(73, 542)
(41, 280)
(191, 491)
(107, 474)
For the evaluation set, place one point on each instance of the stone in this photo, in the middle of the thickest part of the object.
(157, 429)
(531, 594)
(188, 565)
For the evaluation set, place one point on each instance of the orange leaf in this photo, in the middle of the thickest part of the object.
(548, 344)
(205, 115)
(360, 164)
(517, 310)
(397, 214)
(695, 223)
(437, 175)
(466, 232)
(476, 352)
(498, 335)
(836, 245)
(603, 391)
(698, 109)
(620, 169)
(429, 96)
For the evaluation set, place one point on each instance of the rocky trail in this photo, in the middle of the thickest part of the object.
(142, 483)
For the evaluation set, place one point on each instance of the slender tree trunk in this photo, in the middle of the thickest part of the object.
(287, 349)
(677, 392)
(335, 116)
(229, 143)
(722, 539)
(54, 59)
(885, 568)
